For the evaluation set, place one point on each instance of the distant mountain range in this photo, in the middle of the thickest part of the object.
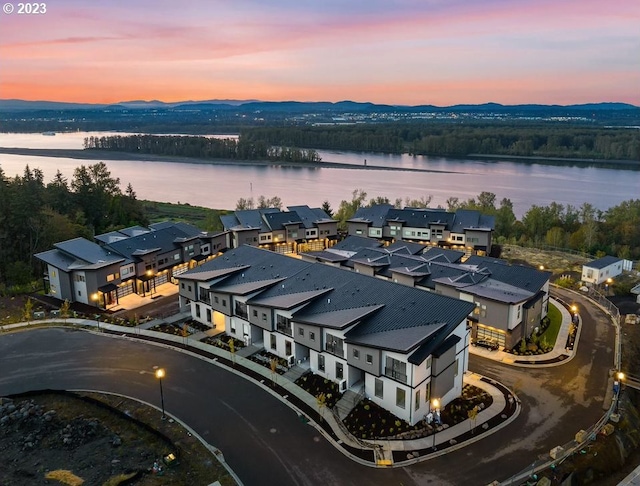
(13, 105)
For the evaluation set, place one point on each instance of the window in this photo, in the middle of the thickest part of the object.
(356, 354)
(379, 388)
(334, 345)
(241, 309)
(216, 299)
(182, 285)
(112, 277)
(255, 313)
(339, 371)
(176, 257)
(369, 359)
(427, 392)
(401, 396)
(189, 289)
(273, 341)
(197, 310)
(312, 336)
(233, 327)
(396, 369)
(456, 368)
(264, 316)
(208, 315)
(417, 404)
(301, 331)
(283, 324)
(358, 232)
(428, 362)
(321, 362)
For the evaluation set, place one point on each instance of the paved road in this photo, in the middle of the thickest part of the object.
(264, 441)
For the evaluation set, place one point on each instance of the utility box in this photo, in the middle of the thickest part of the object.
(556, 452)
(581, 436)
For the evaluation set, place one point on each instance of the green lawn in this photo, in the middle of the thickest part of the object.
(551, 334)
(204, 218)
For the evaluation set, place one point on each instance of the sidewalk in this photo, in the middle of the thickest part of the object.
(555, 357)
(377, 453)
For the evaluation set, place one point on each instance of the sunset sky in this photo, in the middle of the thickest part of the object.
(408, 52)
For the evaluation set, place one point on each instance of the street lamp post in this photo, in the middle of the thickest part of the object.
(435, 404)
(619, 380)
(160, 375)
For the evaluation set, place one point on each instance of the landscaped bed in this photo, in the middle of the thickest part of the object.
(317, 385)
(370, 421)
(171, 329)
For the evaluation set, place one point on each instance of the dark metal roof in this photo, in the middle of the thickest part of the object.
(526, 278)
(162, 240)
(87, 254)
(603, 262)
(420, 218)
(310, 217)
(376, 215)
(279, 221)
(410, 247)
(356, 243)
(471, 219)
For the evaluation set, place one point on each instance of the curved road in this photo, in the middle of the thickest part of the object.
(263, 440)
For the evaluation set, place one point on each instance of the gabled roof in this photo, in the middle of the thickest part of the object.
(258, 265)
(354, 243)
(162, 240)
(409, 246)
(375, 215)
(240, 287)
(286, 301)
(327, 256)
(465, 219)
(207, 275)
(419, 217)
(444, 255)
(603, 262)
(311, 217)
(278, 221)
(520, 276)
(79, 254)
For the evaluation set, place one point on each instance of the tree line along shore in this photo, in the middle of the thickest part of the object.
(300, 144)
(36, 214)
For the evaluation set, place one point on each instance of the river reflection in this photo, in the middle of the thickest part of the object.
(220, 186)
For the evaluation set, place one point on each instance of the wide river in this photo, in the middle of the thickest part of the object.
(220, 186)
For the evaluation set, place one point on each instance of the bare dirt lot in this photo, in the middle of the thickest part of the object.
(98, 440)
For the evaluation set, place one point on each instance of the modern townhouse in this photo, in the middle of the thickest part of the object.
(510, 300)
(467, 230)
(131, 260)
(79, 270)
(402, 346)
(299, 229)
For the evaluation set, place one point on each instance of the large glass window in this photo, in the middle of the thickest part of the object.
(283, 324)
(335, 345)
(401, 397)
(396, 369)
(339, 371)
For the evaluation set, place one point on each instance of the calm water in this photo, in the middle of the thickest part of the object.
(221, 186)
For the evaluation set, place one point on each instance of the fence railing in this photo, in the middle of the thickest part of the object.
(583, 437)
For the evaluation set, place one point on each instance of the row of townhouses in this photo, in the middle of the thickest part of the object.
(509, 300)
(301, 228)
(131, 260)
(401, 345)
(464, 229)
